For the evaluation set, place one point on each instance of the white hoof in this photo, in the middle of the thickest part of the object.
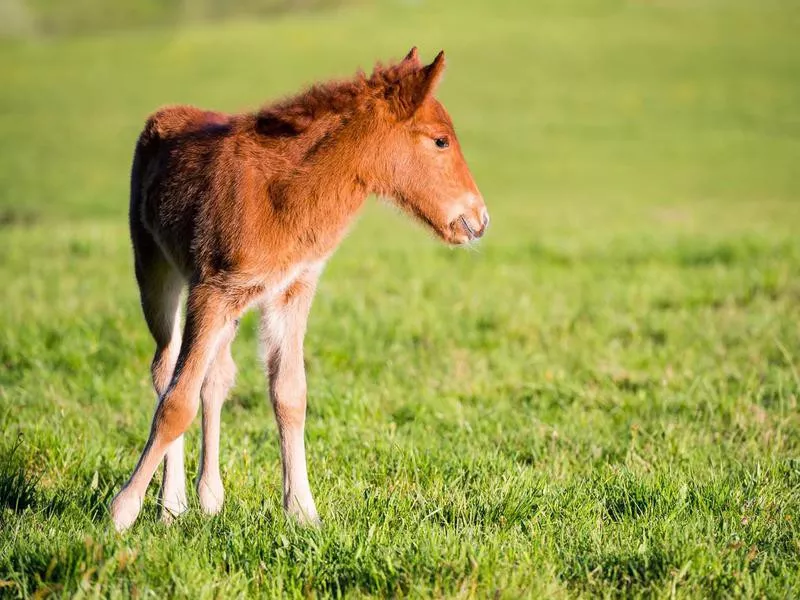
(124, 509)
(173, 505)
(211, 494)
(305, 514)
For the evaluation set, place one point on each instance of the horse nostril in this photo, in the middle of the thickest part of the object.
(474, 232)
(484, 222)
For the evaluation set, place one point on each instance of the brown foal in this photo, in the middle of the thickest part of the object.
(246, 209)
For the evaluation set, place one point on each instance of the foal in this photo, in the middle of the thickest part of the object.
(246, 209)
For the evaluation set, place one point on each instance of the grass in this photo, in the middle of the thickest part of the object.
(601, 401)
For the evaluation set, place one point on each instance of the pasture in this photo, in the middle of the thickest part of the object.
(600, 400)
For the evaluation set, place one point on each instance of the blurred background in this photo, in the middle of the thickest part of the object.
(86, 17)
(602, 393)
(636, 112)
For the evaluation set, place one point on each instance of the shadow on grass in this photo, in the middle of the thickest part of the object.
(18, 483)
(21, 473)
(627, 571)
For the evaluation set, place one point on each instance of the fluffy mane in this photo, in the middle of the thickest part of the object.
(295, 114)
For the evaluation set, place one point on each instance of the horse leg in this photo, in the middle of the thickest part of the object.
(217, 384)
(283, 329)
(206, 316)
(164, 316)
(160, 286)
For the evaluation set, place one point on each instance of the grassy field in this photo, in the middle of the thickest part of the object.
(601, 401)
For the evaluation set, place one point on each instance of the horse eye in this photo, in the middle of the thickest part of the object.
(442, 142)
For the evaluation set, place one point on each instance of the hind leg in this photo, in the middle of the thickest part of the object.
(162, 310)
(160, 287)
(217, 384)
(208, 312)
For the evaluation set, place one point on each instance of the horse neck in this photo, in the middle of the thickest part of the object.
(328, 186)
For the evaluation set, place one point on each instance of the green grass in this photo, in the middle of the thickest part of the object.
(601, 401)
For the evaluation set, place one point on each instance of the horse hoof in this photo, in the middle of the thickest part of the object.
(124, 509)
(173, 508)
(212, 496)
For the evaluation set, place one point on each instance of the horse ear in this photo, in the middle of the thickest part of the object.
(413, 57)
(412, 90)
(434, 72)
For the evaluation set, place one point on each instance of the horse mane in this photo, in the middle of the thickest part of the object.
(295, 114)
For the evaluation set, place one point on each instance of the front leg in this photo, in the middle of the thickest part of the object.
(283, 329)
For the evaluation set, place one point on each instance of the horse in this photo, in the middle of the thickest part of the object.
(245, 210)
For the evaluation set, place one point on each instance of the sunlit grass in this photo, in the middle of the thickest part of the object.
(602, 400)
